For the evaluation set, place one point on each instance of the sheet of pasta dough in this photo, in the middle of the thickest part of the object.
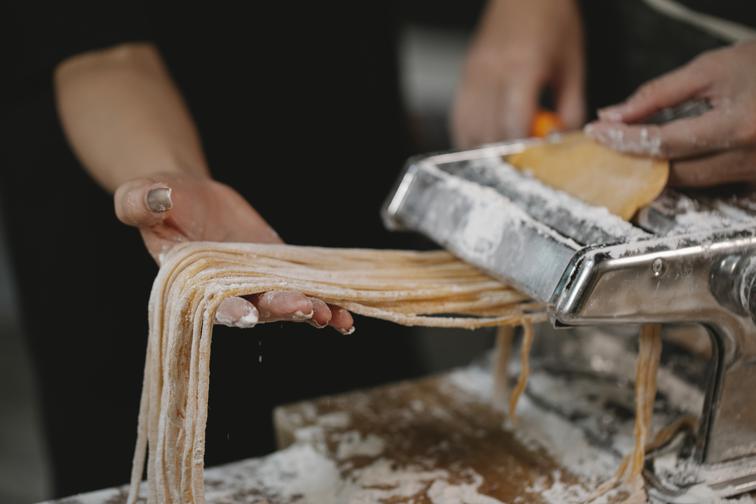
(594, 173)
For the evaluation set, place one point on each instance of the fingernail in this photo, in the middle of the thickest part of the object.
(237, 312)
(610, 114)
(299, 316)
(347, 332)
(159, 199)
(316, 325)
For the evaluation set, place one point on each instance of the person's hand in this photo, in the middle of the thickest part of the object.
(169, 209)
(716, 147)
(521, 48)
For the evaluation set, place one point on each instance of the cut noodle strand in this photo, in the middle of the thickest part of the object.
(433, 289)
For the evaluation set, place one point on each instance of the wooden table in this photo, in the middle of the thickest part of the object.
(429, 440)
(439, 439)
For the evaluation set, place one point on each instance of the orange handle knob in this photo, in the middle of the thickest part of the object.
(544, 123)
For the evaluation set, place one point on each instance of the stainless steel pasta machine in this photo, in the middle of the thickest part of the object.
(685, 258)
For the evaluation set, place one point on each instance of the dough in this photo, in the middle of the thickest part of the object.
(630, 472)
(411, 288)
(594, 173)
(502, 353)
(522, 380)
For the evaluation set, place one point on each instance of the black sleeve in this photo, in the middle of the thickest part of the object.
(46, 32)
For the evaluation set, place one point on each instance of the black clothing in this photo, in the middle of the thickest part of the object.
(629, 43)
(298, 108)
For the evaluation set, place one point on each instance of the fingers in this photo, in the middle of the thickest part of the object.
(142, 202)
(283, 306)
(736, 165)
(321, 315)
(341, 320)
(678, 139)
(473, 119)
(277, 306)
(518, 102)
(570, 98)
(668, 90)
(237, 312)
(639, 140)
(331, 315)
(492, 105)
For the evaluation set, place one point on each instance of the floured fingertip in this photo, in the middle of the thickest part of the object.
(299, 316)
(347, 332)
(237, 312)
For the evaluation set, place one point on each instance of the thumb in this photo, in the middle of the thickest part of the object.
(142, 202)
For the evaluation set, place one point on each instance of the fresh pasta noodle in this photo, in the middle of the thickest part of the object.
(630, 471)
(411, 288)
(522, 380)
(502, 353)
(623, 184)
(432, 289)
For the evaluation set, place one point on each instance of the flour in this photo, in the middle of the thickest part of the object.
(645, 142)
(545, 199)
(353, 444)
(489, 213)
(443, 491)
(335, 420)
(557, 491)
(301, 473)
(539, 428)
(572, 429)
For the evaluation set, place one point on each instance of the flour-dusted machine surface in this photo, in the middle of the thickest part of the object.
(685, 258)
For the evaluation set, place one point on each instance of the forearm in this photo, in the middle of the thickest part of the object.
(124, 117)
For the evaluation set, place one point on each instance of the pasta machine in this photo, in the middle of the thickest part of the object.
(686, 258)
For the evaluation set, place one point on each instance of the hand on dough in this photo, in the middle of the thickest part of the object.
(169, 209)
(716, 147)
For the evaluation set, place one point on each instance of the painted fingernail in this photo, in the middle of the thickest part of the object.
(347, 332)
(237, 312)
(159, 199)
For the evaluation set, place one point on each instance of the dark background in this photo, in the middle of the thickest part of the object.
(626, 44)
(24, 475)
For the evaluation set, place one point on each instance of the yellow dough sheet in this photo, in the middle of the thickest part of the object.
(596, 174)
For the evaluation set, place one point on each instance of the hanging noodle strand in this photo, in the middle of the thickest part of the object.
(411, 288)
(431, 289)
(630, 471)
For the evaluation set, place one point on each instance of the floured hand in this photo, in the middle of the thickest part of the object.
(169, 209)
(716, 147)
